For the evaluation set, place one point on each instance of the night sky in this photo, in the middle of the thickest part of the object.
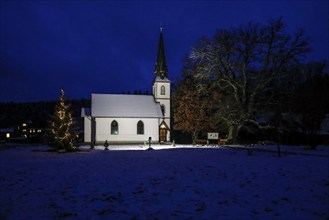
(111, 46)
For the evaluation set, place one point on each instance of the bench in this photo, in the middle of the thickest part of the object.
(201, 141)
(222, 141)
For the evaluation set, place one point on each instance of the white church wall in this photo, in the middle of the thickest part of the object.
(163, 99)
(127, 130)
(87, 130)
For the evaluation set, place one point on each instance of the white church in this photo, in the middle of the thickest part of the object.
(132, 118)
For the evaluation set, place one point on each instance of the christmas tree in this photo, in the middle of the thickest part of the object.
(62, 134)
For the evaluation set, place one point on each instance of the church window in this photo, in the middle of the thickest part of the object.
(140, 127)
(114, 127)
(163, 90)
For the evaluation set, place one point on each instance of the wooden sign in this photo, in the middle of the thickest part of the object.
(212, 136)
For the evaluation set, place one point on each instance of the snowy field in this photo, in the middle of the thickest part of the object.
(182, 182)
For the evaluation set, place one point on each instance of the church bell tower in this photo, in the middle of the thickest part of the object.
(161, 91)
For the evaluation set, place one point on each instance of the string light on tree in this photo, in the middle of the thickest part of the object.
(62, 132)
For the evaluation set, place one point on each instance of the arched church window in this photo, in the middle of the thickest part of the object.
(163, 108)
(114, 127)
(140, 127)
(163, 90)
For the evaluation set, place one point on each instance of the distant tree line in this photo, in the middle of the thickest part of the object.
(250, 83)
(13, 114)
(137, 92)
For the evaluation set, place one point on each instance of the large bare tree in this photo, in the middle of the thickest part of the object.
(242, 63)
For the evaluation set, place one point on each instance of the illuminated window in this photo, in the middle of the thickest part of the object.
(114, 127)
(8, 135)
(24, 124)
(163, 90)
(140, 127)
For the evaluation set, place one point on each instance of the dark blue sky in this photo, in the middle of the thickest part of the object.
(111, 46)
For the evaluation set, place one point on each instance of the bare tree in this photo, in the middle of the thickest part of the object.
(242, 63)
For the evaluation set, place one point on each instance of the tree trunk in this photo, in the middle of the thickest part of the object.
(233, 132)
(194, 136)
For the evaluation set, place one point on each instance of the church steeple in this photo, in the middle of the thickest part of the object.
(161, 91)
(161, 69)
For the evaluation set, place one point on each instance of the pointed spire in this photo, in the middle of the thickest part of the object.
(161, 69)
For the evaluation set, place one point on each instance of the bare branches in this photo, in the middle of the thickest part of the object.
(244, 62)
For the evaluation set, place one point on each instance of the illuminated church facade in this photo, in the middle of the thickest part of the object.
(123, 118)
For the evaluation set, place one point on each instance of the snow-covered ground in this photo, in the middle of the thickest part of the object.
(181, 182)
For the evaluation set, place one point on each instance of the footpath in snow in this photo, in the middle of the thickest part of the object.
(181, 182)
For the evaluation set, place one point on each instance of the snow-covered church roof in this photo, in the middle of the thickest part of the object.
(112, 105)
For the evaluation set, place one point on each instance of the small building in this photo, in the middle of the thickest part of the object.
(6, 134)
(132, 118)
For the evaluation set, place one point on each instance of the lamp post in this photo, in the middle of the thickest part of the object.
(106, 145)
(150, 138)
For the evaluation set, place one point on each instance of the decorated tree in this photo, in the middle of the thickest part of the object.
(62, 134)
(191, 107)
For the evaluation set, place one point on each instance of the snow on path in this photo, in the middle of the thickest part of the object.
(179, 183)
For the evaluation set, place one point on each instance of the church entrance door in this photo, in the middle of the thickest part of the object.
(163, 131)
(163, 134)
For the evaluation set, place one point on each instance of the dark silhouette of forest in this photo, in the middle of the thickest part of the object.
(36, 113)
